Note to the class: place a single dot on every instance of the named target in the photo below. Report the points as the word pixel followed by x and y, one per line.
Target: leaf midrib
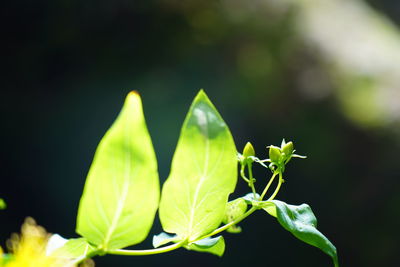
pixel 125 187
pixel 199 185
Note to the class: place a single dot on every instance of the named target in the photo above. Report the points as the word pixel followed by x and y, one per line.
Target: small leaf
pixel 121 193
pixel 234 209
pixel 162 239
pixel 203 174
pixel 301 222
pixel 77 248
pixel 214 245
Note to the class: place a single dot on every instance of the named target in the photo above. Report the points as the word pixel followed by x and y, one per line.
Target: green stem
pixel 226 226
pixel 147 251
pixel 181 243
pixel 251 179
pixel 243 175
pixel 280 182
pixel 268 186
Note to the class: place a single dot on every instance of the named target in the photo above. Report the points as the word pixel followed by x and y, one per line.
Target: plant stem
pixel 277 188
pixel 243 175
pixel 251 179
pixel 144 252
pixel 268 186
pixel 226 226
pixel 181 243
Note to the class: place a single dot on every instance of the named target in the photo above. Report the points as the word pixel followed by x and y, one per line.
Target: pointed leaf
pixel 301 222
pixel 203 174
pixel 214 245
pixel 121 193
pixel 162 239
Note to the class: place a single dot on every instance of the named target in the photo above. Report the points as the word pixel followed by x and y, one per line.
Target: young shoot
pixel 122 191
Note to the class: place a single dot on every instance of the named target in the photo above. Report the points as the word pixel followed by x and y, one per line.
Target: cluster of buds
pixel 280 156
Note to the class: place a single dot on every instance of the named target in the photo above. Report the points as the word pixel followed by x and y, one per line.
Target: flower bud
pixel 288 149
pixel 274 153
pixel 248 150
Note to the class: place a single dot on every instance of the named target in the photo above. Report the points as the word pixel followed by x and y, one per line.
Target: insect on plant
pixel 122 191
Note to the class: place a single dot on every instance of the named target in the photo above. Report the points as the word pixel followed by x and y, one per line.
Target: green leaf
pixel 234 209
pixel 77 248
pixel 214 245
pixel 269 207
pixel 301 222
pixel 203 174
pixel 121 194
pixel 162 239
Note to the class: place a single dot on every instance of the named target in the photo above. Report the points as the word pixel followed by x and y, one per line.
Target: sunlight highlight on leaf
pixel 122 190
pixel 203 174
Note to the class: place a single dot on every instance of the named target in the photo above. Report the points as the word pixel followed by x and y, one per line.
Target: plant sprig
pixel 122 194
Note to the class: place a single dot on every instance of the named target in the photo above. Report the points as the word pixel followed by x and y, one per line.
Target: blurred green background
pixel 325 74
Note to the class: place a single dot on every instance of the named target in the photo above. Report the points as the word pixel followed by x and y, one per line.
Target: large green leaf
pixel 203 174
pixel 301 222
pixel 121 194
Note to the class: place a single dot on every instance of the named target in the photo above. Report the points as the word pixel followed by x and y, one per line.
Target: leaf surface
pixel 121 193
pixel 203 174
pixel 301 222
pixel 75 248
pixel 270 208
pixel 162 239
pixel 214 245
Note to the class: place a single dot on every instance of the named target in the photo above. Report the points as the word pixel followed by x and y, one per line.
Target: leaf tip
pixel 133 96
pixel 201 95
pixel 133 93
pixel 133 99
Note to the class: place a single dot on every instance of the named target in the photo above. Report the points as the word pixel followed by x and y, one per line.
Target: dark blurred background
pixel 325 74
